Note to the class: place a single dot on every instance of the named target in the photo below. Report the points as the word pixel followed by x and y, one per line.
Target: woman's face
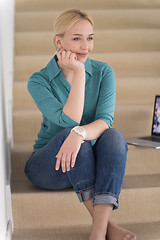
pixel 79 39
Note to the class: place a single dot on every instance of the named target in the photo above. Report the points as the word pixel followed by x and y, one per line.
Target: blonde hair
pixel 67 18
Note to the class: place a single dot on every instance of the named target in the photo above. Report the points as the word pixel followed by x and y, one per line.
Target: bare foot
pixel 115 232
pixel 94 236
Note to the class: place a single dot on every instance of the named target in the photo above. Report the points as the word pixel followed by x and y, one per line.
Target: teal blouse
pixel 50 91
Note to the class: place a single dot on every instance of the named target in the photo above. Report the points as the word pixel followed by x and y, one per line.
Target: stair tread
pixel 28 202
pixel 147 231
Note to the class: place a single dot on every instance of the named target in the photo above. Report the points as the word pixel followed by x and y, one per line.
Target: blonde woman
pixel 76 145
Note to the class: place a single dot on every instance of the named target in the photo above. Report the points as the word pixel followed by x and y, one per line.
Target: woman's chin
pixel 82 59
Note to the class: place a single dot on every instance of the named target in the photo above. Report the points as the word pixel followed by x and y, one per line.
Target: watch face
pixel 81 130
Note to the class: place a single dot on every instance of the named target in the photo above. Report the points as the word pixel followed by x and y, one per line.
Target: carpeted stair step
pixel 36 43
pixel 140 161
pixel 143 231
pixel 48 208
pixel 133 64
pixel 103 19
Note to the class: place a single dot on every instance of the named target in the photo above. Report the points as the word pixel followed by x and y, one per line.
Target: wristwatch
pixel 79 130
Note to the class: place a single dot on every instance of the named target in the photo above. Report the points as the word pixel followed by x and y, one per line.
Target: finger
pixel 73 56
pixel 63 163
pixel 68 162
pixel 63 54
pixel 58 163
pixel 73 160
pixel 68 54
pixel 59 54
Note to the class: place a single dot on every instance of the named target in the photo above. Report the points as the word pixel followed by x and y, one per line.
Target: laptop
pixel 152 141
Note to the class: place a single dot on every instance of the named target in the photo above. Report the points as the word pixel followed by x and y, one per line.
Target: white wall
pixel 7 36
pixel 3 214
pixel 6 79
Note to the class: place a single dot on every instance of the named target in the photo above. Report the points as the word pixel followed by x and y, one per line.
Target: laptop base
pixel 143 143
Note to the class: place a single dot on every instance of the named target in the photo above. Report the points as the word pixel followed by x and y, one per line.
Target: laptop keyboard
pixel 152 138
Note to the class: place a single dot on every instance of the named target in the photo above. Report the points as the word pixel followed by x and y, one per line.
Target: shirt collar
pixel 88 66
pixel 54 70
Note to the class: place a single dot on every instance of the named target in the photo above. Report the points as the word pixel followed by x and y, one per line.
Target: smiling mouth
pixel 82 54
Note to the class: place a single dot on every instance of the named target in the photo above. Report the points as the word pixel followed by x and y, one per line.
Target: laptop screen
pixel 156 117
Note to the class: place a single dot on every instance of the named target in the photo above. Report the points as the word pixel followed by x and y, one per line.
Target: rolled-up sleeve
pixel 47 103
pixel 106 99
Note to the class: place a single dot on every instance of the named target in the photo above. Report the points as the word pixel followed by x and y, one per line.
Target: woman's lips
pixel 82 54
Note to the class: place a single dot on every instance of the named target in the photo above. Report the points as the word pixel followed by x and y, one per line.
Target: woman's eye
pixel 90 38
pixel 76 39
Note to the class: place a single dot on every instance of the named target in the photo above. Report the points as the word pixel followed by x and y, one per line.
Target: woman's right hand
pixel 68 59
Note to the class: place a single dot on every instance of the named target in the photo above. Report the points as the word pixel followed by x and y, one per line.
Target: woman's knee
pixel 111 151
pixel 114 140
pixel 112 145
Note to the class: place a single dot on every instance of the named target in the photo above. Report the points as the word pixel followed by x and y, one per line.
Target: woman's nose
pixel 84 45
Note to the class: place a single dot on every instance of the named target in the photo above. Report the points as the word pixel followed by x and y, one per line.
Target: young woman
pixel 76 146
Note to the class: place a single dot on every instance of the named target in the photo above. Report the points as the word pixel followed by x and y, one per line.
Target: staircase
pixel 127 36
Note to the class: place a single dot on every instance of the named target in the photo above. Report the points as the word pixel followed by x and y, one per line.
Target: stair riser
pixel 81 232
pixel 108 41
pixel 128 91
pixel 26 124
pixel 148 162
pixel 38 5
pixel 48 210
pixel 124 64
pixel 103 19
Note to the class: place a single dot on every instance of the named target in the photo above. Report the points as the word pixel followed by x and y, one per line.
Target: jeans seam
pixel 84 190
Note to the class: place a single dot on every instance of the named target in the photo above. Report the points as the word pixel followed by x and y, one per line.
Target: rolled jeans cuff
pixel 106 199
pixel 86 194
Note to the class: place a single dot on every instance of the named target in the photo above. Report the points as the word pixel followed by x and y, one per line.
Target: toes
pixel 127 237
pixel 130 237
pixel 133 237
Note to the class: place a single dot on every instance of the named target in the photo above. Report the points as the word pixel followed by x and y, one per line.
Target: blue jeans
pixel 98 172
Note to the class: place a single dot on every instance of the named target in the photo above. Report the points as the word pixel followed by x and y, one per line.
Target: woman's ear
pixel 57 42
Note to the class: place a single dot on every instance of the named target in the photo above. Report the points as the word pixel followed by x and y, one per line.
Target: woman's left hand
pixel 68 152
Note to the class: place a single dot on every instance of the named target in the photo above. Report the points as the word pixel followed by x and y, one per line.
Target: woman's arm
pixel 95 129
pixel 75 102
pixel 68 152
